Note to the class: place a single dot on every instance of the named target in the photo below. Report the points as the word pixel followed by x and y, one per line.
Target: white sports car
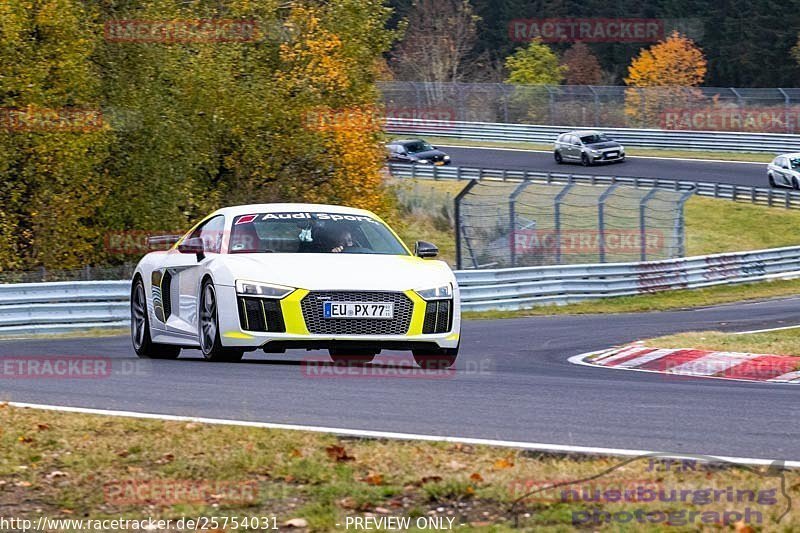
pixel 286 276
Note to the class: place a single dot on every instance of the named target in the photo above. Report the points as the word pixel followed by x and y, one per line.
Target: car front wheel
pixel 557 157
pixel 585 161
pixel 210 343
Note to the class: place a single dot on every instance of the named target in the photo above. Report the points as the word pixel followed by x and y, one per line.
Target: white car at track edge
pixel 287 276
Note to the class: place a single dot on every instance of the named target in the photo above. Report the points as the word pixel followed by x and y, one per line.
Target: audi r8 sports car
pixel 285 276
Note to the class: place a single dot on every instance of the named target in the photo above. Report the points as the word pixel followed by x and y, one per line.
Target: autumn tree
pixel 437 45
pixel 53 136
pixel 531 69
pixel 661 77
pixel 582 66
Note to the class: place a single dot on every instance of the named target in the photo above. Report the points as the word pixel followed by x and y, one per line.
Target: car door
pixel 783 172
pixel 574 147
pixel 184 272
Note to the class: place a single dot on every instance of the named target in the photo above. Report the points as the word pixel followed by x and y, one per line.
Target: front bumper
pixel 293 332
pixel 604 157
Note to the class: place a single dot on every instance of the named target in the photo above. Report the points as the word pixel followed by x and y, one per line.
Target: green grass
pixel 756 157
pixel 781 342
pixel 65 465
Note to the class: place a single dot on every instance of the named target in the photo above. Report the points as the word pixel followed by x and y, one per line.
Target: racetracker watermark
pixel 588 30
pixel 532 241
pixel 399 117
pixel 37 119
pixel 180 31
pixel 70 367
pixel 753 119
pixel 179 491
pixel 389 366
pixel 692 490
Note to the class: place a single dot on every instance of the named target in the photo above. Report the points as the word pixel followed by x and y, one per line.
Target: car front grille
pixel 312 305
pixel 260 314
pixel 438 317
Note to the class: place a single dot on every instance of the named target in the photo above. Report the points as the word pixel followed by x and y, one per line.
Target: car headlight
pixel 436 293
pixel 595 152
pixel 422 161
pixel 622 149
pixel 263 290
pixel 447 158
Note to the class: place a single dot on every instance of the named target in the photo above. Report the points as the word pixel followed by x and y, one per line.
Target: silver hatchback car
pixel 784 171
pixel 587 147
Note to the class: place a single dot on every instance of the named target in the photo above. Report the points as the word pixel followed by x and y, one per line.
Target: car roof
pixel 289 208
pixel 793 154
pixel 405 141
pixel 584 132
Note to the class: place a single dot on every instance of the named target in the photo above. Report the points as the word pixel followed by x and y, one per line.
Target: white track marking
pixel 787 377
pixel 626 157
pixel 558 448
pixel 764 330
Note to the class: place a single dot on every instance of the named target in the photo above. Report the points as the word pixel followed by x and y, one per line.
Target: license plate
pixel 612 154
pixel 381 310
pixel 439 163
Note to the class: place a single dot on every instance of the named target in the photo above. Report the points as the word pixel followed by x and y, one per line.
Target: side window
pixel 573 139
pixel 211 231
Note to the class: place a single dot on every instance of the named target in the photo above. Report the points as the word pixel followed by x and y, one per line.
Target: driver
pixel 345 240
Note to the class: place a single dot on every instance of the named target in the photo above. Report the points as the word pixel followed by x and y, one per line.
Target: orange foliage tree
pixel 661 76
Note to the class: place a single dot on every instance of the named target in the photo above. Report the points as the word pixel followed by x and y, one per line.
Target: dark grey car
pixel 587 147
pixel 416 151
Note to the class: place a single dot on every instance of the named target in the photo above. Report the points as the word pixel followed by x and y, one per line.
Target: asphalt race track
pixel 750 174
pixel 512 382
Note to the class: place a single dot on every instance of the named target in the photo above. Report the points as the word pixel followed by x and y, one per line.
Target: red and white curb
pixel 696 363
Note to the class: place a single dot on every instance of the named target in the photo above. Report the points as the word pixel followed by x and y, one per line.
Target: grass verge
pixel 662 301
pixel 781 342
pixel 78 466
pixel 756 157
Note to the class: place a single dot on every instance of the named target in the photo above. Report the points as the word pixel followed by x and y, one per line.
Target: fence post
pixel 643 221
pixel 457 215
pixel 601 207
pixel 680 226
pixel 557 215
pixel 512 220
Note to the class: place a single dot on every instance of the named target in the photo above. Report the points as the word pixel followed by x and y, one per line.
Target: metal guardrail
pixel 645 138
pixel 518 288
pixel 741 193
pixel 71 306
pixel 61 307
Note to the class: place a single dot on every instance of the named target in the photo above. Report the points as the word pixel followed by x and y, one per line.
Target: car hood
pixel 427 154
pixel 333 271
pixel 603 145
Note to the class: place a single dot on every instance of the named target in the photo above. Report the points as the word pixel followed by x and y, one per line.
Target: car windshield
pixel 312 232
pixel 418 146
pixel 795 162
pixel 594 138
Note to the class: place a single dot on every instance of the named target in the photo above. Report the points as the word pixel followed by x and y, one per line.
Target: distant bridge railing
pixel 720 141
pixel 31 308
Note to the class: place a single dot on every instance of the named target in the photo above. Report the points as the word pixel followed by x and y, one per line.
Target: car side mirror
pixel 425 249
pixel 193 245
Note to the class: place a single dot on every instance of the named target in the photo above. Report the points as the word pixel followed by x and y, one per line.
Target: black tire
pixel 771 179
pixel 585 161
pixel 557 157
pixel 208 328
pixel 795 184
pixel 143 345
pixel 440 359
pixel 350 357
